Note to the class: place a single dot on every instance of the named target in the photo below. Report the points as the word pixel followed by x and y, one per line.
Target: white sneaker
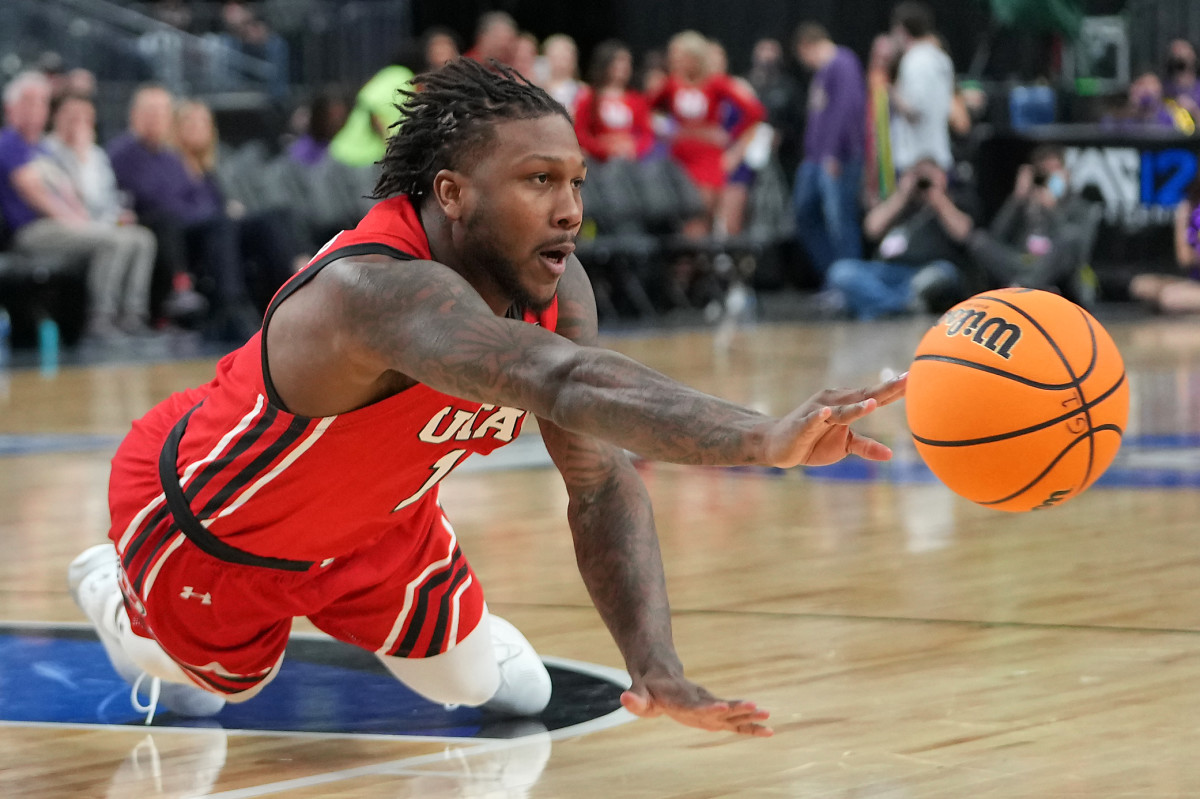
pixel 92 578
pixel 524 682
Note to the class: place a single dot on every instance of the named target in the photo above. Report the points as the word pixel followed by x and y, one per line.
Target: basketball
pixel 1017 399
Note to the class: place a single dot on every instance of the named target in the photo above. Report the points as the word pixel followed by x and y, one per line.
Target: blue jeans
pixel 827 212
pixel 874 289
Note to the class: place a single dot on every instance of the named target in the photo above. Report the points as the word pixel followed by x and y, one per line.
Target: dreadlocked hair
pixel 447 119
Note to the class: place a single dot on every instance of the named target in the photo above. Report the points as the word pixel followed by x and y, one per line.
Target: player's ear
pixel 448 188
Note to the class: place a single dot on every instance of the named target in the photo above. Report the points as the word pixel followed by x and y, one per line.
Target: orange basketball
pixel 1017 399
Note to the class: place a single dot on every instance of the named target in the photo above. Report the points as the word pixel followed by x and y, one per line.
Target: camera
pixel 1039 179
pixel 924 183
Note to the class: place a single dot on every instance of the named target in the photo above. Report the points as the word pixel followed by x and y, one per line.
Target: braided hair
pixel 447 120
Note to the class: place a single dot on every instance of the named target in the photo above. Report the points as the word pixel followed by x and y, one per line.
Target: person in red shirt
pixel 611 119
pixel 496 36
pixel 692 96
pixel 303 480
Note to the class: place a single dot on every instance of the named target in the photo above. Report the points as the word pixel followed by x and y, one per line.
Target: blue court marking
pixel 60 674
pixel 42 443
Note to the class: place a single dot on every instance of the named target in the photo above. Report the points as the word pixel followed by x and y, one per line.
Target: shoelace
pixel 154 691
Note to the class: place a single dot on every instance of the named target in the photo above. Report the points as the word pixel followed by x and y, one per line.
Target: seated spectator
pixel 611 119
pixel 1178 293
pixel 1039 237
pixel 496 37
pixel 1146 107
pixel 72 146
pixel 362 141
pixel 692 96
pixel 919 264
pixel 47 216
pixel 562 69
pixel 440 46
pixel 326 115
pixel 185 215
pixel 1181 84
pixel 266 247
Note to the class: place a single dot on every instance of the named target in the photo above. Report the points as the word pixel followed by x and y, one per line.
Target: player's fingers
pixel 754 730
pixel 885 392
pixel 868 448
pixel 845 414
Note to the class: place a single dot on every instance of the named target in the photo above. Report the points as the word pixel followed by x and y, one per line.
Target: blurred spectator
pixel 54 67
pixel 47 217
pixel 653 73
pixel 440 45
pixel 923 91
pixel 920 264
pixel 362 141
pixel 692 95
pixel 184 214
pixel 879 170
pixel 779 93
pixel 740 174
pixel 562 69
pixel 495 38
pixel 611 119
pixel 1040 236
pixel 176 13
pixel 1146 107
pixel 1180 84
pixel 252 37
pixel 324 117
pixel 266 247
pixel 829 182
pixel 80 82
pixel 525 58
pixel 72 146
pixel 1178 293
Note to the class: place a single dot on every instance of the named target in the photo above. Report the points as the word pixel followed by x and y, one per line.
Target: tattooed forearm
pixel 430 325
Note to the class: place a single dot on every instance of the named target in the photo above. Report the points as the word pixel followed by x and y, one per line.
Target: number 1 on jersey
pixel 443 467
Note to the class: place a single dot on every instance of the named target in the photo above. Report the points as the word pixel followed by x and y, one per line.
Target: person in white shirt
pixel 923 91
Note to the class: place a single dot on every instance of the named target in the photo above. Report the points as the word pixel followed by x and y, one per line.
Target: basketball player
pixel 302 481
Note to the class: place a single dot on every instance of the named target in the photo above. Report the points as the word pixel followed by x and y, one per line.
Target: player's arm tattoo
pixel 426 322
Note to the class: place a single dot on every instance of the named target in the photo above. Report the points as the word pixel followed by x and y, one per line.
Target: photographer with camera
pixel 1041 236
pixel 919 260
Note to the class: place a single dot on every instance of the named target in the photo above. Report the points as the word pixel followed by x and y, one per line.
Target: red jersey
pixel 597 120
pixel 249 482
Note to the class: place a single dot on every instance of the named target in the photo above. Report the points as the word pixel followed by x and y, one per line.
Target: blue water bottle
pixel 48 345
pixel 5 338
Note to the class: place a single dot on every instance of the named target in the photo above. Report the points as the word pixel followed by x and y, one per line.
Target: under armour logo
pixel 188 593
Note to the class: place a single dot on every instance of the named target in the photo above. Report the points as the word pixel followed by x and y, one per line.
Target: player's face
pixel 522 207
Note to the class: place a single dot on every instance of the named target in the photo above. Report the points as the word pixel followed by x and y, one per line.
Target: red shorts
pixel 410 593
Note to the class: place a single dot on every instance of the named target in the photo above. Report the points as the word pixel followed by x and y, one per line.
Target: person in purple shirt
pixel 829 179
pixel 47 216
pixel 184 213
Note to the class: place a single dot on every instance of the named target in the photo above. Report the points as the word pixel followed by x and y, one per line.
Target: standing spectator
pixel 525 58
pixel 1180 292
pixel 611 119
pixel 829 182
pixel 879 171
pixel 780 96
pixel 1181 84
pixel 362 141
pixel 495 38
pixel 920 264
pixel 440 46
pixel 46 215
pixel 562 69
pixel 183 214
pixel 923 91
pixel 692 96
pixel 1039 239
pixel 72 146
pixel 266 248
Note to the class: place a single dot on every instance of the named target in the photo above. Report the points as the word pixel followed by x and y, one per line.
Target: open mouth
pixel 556 257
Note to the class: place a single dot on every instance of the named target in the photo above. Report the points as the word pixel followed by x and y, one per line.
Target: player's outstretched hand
pixel 690 704
pixel 818 432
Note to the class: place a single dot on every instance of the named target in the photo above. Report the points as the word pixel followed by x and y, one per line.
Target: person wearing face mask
pixel 1180 83
pixel 1040 236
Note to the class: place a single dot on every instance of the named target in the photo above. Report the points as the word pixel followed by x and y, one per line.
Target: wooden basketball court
pixel 908 644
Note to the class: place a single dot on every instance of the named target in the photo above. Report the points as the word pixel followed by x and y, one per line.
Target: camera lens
pixel 1039 179
pixel 923 183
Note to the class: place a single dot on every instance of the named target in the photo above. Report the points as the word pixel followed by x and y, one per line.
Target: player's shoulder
pixel 576 305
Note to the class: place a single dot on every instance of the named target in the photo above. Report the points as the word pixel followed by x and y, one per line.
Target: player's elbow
pixel 575 386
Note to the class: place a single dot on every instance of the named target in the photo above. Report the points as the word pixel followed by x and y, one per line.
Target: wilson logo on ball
pixel 985 331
